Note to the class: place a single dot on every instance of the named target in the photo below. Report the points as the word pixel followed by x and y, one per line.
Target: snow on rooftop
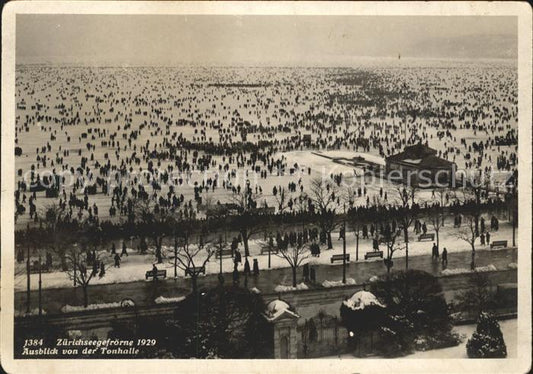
pixel 362 299
pixel 276 308
pixel 411 161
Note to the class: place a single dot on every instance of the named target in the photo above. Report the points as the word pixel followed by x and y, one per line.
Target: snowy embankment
pixel 166 300
pixel 283 288
pixel 79 308
pixel 329 284
pixel 33 312
pixel 479 269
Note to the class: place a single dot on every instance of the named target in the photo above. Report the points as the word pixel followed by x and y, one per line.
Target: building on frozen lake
pixel 418 165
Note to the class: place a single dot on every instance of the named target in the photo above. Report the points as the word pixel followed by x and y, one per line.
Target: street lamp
pixel 344 247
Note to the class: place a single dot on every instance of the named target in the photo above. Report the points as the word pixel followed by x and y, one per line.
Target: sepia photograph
pixel 251 184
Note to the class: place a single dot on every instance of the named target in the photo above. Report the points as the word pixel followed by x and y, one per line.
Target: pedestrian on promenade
pixel 235 275
pixel 312 274
pixel 154 271
pixel 117 260
pixel 434 251
pixel 237 259
pixel 256 267
pixel 444 257
pixel 124 252
pixel 95 267
pixel 247 267
pixel 306 272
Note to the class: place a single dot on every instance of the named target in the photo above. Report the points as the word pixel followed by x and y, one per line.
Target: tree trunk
pixel 85 296
pixel 40 289
pixel 245 242
pixel 406 239
pixel 194 284
pixel 175 260
pixel 330 244
pixel 294 276
pixel 28 291
pixel 357 247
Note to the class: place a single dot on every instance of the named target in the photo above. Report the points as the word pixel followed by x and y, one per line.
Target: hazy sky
pixel 256 40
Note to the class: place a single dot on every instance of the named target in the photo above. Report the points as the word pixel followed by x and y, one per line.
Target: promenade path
pixel 145 292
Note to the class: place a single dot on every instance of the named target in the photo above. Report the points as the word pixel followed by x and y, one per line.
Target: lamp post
pixel 40 287
pixel 28 270
pixel 344 247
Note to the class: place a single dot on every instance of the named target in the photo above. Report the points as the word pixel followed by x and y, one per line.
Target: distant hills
pixel 471 46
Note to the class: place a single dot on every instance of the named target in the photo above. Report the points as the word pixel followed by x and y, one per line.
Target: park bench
pixel 272 250
pixel 340 258
pixel 160 274
pixel 373 254
pixel 426 237
pixel 196 270
pixel 498 243
pixel 34 268
pixel 225 253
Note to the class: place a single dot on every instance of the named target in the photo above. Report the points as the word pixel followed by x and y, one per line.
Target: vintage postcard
pixel 274 187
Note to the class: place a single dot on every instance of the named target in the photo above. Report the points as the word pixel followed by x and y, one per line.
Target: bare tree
pixel 474 188
pixel 220 246
pixel 53 220
pixel 182 228
pixel 407 216
pixel 437 217
pixel 294 254
pixel 477 297
pixel 389 239
pixel 469 234
pixel 154 223
pixel 192 260
pixel 247 218
pixel 79 269
pixel 511 200
pixel 355 222
pixel 323 194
